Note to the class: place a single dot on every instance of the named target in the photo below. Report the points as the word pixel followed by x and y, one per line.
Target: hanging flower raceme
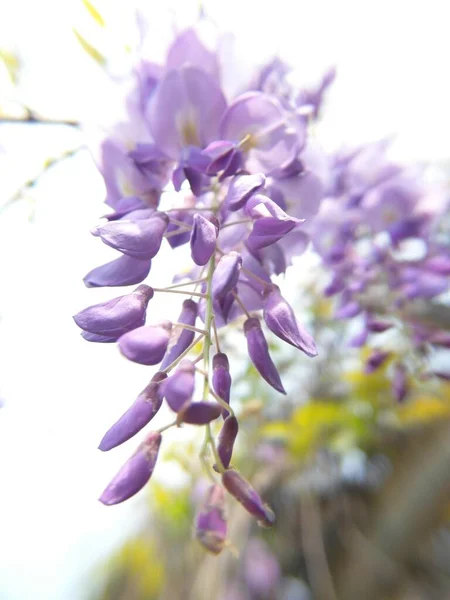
pixel 252 190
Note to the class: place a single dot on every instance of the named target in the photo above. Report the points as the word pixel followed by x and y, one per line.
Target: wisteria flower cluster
pixel 240 167
pixel 253 190
pixel 383 235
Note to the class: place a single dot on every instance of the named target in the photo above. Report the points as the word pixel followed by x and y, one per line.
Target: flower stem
pixel 177 285
pixel 216 335
pixel 161 429
pixel 241 304
pixel 183 354
pixel 222 403
pixel 239 222
pixel 186 293
pixel 189 327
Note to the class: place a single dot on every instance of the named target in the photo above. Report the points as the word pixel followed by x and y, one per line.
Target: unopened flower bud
pixel 124 270
pixel 140 238
pixel 227 437
pixel 199 413
pixel 375 361
pixel 258 351
pixel 135 472
pixel 281 321
pixel 179 387
pixel 221 378
pixel 115 317
pixel 140 413
pixel 146 345
pixel 185 337
pixel 226 274
pixel 399 382
pixel 211 525
pixel 240 489
pixel 203 239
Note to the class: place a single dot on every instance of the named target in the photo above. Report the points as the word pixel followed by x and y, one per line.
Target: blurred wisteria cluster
pixel 230 173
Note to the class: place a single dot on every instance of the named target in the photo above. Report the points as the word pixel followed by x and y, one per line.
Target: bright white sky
pixel 62 393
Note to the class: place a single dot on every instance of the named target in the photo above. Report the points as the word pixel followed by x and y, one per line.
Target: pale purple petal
pixel 121 271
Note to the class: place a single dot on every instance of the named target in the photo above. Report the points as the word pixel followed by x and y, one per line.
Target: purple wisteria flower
pixel 280 319
pixel 238 189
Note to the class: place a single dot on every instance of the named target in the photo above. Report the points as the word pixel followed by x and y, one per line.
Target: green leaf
pixel 90 49
pixel 94 13
pixel 12 64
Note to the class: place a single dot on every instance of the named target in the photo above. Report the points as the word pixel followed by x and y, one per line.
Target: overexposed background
pixel 61 393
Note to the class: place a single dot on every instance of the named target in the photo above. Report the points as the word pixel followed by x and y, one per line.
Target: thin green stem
pixel 177 285
pixel 183 354
pixel 239 222
pixel 186 293
pixel 222 402
pixel 161 429
pixel 176 232
pixel 256 277
pixel 241 304
pixel 216 335
pixel 211 442
pixel 180 223
pixel 189 327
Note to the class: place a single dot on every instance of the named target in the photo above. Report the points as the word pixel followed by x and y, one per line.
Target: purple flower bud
pixel 135 472
pixel 114 318
pixel 227 437
pixel 211 525
pixel 241 188
pixel 203 239
pixel 240 489
pixel 199 413
pixel 439 264
pixel 146 345
pixel 258 351
pixel 399 382
pixel 335 286
pixel 140 239
pixel 121 271
pixel 179 387
pixel 377 326
pixel 140 413
pixel 375 361
pixel 347 308
pixel 221 378
pixel 440 338
pixel 184 337
pixel 281 321
pixel 226 275
pixel 360 338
